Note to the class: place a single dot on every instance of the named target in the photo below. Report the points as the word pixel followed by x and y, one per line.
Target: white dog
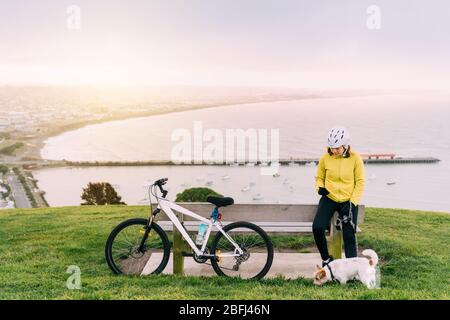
pixel 342 270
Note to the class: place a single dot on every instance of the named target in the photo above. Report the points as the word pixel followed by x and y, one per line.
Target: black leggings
pixel 322 220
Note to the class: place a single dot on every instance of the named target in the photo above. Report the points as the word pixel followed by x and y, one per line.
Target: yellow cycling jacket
pixel 342 177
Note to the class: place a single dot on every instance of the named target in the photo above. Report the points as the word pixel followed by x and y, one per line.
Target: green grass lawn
pixel 37 246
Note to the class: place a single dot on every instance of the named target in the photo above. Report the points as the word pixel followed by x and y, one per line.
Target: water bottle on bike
pixel 200 234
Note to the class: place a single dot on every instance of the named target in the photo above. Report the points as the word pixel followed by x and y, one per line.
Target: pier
pixel 282 162
pixel 403 160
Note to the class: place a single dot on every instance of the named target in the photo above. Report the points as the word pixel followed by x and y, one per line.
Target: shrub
pixel 195 195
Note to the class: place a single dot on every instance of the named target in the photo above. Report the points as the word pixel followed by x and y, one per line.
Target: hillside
pixel 37 246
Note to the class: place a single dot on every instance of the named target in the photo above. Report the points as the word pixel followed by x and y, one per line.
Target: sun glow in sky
pixel 290 43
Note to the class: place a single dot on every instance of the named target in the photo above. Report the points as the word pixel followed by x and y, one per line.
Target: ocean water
pixel 407 125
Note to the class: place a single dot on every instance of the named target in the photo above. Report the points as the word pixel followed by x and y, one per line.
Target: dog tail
pixel 372 255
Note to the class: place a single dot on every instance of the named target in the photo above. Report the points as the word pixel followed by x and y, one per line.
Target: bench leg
pixel 178 245
pixel 335 239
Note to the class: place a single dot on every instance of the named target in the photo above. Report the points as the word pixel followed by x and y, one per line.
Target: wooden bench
pixel 275 219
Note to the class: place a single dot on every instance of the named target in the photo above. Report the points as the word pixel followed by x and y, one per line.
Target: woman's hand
pixel 323 191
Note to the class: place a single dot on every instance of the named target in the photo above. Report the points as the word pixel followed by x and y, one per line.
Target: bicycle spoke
pixel 255 259
pixel 127 257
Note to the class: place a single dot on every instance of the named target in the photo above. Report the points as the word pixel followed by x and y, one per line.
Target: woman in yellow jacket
pixel 340 181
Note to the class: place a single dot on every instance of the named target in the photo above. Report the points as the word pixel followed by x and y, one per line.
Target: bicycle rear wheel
pixel 257 258
pixel 122 248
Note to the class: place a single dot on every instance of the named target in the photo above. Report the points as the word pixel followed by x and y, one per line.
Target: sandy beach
pixel 33 146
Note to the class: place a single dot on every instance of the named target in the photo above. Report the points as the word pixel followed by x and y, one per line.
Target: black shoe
pixel 325 262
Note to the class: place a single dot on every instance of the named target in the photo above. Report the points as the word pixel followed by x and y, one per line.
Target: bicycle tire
pixel 266 242
pixel 165 243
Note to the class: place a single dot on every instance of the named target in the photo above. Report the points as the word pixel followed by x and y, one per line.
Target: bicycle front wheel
pixel 125 253
pixel 257 256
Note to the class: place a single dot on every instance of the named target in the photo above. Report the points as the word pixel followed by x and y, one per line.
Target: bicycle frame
pixel 167 206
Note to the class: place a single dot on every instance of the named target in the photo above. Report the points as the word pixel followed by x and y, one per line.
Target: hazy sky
pixel 310 44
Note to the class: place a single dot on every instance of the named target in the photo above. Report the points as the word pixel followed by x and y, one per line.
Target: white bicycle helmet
pixel 338 136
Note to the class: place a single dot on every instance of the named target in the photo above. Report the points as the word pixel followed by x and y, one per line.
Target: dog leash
pixel 346 219
pixel 331 274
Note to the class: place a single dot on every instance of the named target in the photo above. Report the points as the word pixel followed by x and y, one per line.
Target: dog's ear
pixel 320 274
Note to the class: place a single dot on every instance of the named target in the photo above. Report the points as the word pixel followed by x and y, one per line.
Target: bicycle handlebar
pixel 160 183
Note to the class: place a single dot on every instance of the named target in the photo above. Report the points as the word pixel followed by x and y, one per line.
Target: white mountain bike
pixel 140 246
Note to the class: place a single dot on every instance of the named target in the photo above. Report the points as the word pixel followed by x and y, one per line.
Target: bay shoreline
pixel 33 146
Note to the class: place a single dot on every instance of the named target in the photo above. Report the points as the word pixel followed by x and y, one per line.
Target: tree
pixel 3 169
pixel 100 193
pixel 195 195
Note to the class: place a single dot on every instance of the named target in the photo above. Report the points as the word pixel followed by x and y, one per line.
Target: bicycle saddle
pixel 220 201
